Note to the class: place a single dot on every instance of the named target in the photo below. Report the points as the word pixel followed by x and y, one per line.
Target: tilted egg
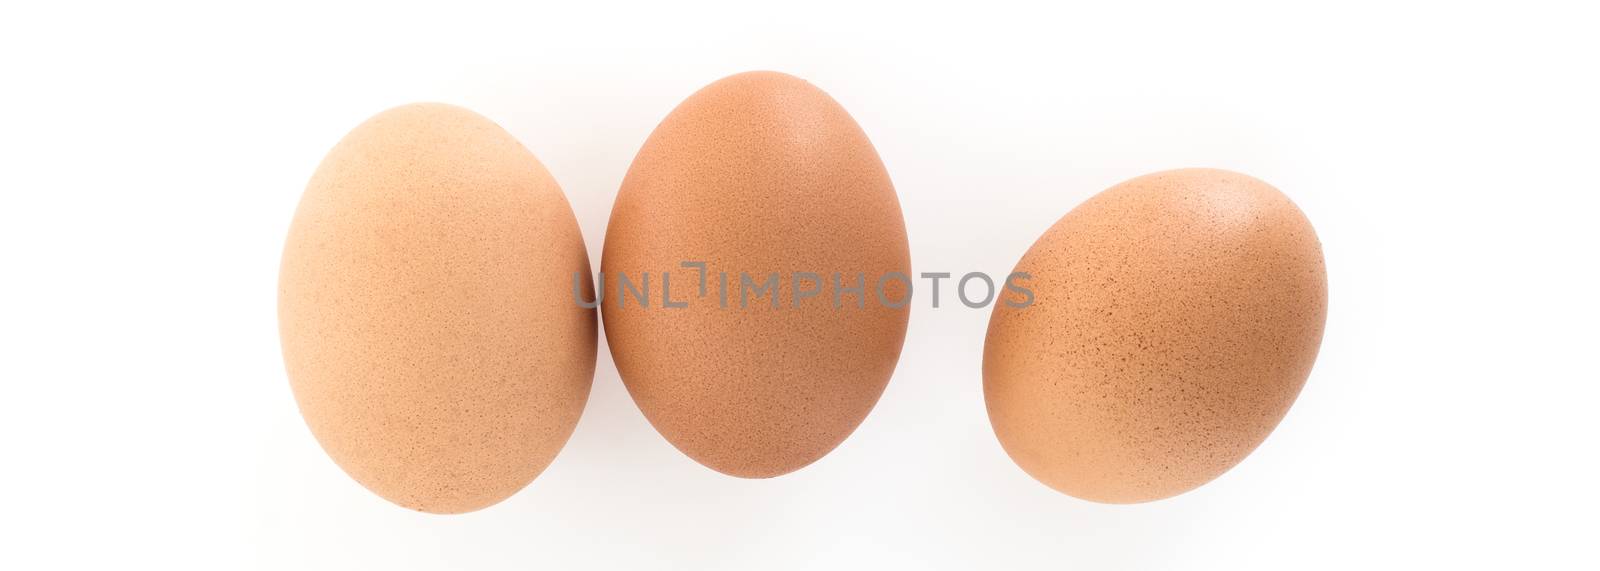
pixel 1176 317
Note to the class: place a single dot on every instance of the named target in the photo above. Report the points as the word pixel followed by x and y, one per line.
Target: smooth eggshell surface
pixel 428 327
pixel 1177 316
pixel 757 173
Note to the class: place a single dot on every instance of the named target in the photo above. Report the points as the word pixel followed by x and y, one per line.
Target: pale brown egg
pixel 1176 317
pixel 756 175
pixel 425 310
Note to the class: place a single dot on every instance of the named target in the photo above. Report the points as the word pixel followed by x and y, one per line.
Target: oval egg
pixel 428 330
pixel 1176 317
pixel 759 174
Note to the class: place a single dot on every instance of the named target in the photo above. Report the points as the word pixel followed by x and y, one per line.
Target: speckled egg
pixel 759 175
pixel 1176 317
pixel 424 308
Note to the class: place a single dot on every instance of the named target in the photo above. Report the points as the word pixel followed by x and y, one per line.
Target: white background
pixel 151 157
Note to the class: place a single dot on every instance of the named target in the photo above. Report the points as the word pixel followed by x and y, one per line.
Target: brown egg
pixel 425 310
pixel 759 175
pixel 1175 318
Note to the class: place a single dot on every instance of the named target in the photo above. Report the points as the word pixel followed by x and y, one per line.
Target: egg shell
pixel 759 172
pixel 1176 317
pixel 425 311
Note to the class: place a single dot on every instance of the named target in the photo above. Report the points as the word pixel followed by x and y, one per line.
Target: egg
pixel 429 334
pixel 759 176
pixel 1175 319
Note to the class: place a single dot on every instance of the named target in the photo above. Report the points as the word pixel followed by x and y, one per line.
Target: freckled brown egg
pixel 425 310
pixel 759 174
pixel 1176 317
